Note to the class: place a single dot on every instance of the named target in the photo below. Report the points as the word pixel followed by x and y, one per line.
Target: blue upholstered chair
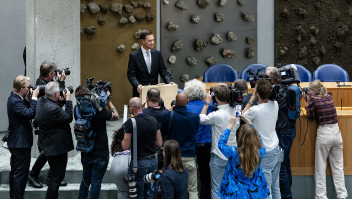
pixel 180 91
pixel 331 73
pixel 254 67
pixel 304 74
pixel 220 73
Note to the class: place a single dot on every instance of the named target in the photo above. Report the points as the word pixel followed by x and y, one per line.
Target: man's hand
pixel 35 92
pixel 172 83
pixel 232 122
pixel 254 96
pixel 245 119
pixel 208 97
pixel 108 93
pixel 68 95
pixel 139 89
pixel 61 77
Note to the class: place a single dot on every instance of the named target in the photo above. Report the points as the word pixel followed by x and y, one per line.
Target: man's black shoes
pixel 34 182
pixel 62 184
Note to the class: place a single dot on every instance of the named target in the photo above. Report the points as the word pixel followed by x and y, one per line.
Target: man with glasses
pixel 47 74
pixel 55 136
pixel 20 110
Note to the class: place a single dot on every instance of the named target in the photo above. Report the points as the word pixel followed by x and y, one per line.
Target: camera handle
pixel 134 145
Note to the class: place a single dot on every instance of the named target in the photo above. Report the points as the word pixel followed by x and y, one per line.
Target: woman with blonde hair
pixel 320 107
pixel 244 177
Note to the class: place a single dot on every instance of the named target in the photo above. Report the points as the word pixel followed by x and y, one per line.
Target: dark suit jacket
pixel 137 72
pixel 20 113
pixel 54 127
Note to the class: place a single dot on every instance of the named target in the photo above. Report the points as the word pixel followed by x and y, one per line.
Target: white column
pixel 266 42
pixel 53 34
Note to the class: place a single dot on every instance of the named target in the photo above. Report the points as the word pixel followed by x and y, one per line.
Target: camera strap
pixel 134 145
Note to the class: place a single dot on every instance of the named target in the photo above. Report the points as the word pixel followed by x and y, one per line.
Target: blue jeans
pixel 286 138
pixel 93 173
pixel 217 170
pixel 144 167
pixel 271 163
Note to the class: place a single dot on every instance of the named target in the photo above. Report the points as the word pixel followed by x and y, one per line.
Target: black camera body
pixel 152 177
pixel 67 71
pixel 289 74
pixel 253 77
pixel 41 87
pixel 236 97
pixel 305 90
pixel 64 91
pixel 130 179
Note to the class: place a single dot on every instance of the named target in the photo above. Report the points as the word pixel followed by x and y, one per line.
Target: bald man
pixel 182 127
pixel 148 136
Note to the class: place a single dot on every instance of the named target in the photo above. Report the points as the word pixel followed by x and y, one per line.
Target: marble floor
pixel 74 163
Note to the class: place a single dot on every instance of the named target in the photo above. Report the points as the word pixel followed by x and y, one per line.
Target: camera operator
pixel 320 107
pixel 148 136
pixel 264 116
pixel 20 140
pixel 95 162
pixel 196 92
pixel 55 137
pixel 154 109
pixel 218 121
pixel 286 131
pixel 47 74
pixel 241 85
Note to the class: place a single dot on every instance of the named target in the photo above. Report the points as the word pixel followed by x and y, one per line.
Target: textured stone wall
pixel 100 57
pixel 52 34
pixel 313 32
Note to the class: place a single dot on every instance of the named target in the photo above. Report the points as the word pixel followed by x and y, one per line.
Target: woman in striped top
pixel 320 107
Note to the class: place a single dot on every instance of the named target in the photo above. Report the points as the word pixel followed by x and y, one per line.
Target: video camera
pixel 67 71
pixel 289 74
pixel 96 92
pixel 235 99
pixel 253 77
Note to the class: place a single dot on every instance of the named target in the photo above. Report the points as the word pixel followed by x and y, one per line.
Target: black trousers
pixel 57 165
pixel 203 157
pixel 38 165
pixel 20 162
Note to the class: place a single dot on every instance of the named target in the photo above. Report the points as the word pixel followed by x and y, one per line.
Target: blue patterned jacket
pixel 234 183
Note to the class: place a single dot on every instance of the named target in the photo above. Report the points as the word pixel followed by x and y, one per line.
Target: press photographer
pixel 21 109
pixel 288 99
pixel 93 140
pixel 55 133
pixel 148 136
pixel 173 177
pixel 218 121
pixel 48 71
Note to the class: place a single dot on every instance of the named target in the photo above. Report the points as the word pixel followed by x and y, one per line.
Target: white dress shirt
pixel 145 57
pixel 264 117
pixel 219 121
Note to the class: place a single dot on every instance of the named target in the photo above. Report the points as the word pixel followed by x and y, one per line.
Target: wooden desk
pixel 331 86
pixel 303 157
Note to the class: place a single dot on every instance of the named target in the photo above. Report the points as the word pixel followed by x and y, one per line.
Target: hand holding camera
pixel 209 97
pixel 61 76
pixel 35 92
pixel 67 94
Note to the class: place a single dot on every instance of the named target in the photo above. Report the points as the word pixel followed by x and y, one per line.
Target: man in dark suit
pixel 20 140
pixel 145 64
pixel 55 137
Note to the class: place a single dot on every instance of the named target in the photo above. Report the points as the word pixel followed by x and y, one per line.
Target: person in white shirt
pixel 264 117
pixel 218 121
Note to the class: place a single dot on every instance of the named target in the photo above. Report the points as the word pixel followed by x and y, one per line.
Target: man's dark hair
pixel 81 90
pixel 222 92
pixel 153 95
pixel 241 85
pixel 47 68
pixel 145 33
pixel 264 88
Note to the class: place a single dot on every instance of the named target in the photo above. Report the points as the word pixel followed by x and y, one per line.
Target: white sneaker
pixel 5 145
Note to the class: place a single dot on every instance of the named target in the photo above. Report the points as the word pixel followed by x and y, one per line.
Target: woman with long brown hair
pixel 320 107
pixel 119 164
pixel 175 177
pixel 244 177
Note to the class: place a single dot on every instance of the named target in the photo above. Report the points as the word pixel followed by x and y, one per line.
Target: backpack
pixel 85 136
pixel 294 102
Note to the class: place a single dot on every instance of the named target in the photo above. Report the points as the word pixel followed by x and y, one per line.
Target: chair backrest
pixel 254 67
pixel 331 73
pixel 180 90
pixel 304 74
pixel 220 73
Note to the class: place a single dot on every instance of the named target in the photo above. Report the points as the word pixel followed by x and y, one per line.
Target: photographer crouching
pixel 320 107
pixel 55 137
